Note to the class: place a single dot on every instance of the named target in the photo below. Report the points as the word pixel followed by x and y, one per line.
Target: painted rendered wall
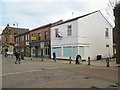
pixel 87 32
pixel 66 40
pixel 93 28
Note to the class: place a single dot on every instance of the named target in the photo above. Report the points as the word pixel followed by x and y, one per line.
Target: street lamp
pixel 108 57
pixel 30 50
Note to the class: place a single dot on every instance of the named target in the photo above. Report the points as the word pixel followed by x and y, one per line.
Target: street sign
pixel 42 44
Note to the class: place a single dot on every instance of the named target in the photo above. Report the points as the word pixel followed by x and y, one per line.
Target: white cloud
pixel 34 13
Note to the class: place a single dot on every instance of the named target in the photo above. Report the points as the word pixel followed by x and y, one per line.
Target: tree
pixel 117 28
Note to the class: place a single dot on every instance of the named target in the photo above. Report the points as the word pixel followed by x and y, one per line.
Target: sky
pixel 35 13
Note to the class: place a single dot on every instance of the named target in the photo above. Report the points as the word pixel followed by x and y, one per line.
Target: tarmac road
pixel 49 74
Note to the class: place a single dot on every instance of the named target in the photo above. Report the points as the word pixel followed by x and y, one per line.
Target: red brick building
pixel 22 43
pixel 8 37
pixel 36 42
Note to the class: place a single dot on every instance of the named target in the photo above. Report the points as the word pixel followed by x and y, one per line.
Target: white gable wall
pixel 88 37
pixel 92 29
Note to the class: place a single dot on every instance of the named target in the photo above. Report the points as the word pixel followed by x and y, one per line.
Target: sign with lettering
pixel 33 38
pixel 42 44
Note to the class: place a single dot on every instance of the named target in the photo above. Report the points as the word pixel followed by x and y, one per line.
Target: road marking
pixel 20 72
pixel 30 71
pixel 92 67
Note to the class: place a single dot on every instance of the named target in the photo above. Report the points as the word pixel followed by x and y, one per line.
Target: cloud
pixel 34 13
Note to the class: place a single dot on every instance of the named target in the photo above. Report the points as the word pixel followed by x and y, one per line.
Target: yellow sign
pixel 33 38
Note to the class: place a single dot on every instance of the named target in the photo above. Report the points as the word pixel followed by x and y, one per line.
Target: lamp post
pixel 108 58
pixel 30 50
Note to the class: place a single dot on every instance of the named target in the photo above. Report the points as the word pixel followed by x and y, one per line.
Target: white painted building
pixel 88 35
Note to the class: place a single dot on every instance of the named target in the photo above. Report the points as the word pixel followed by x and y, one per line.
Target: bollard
pixel 41 58
pixel 88 60
pixel 107 62
pixel 70 60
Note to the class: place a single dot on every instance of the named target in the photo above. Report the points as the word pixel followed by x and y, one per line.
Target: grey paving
pixel 49 74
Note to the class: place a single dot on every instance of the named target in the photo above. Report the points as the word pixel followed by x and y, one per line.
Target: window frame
pixel 69 30
pixel 107 32
pixel 46 35
pixel 39 36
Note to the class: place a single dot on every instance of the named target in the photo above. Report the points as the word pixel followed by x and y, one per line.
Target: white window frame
pixel 69 30
pixel 107 32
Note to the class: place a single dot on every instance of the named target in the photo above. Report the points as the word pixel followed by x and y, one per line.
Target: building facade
pixel 89 35
pixel 8 40
pixel 40 41
pixel 22 43
pixel 36 42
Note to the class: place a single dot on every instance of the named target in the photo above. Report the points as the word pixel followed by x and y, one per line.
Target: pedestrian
pixel 78 58
pixel 17 54
pixel 70 60
pixel 42 56
pixel 54 56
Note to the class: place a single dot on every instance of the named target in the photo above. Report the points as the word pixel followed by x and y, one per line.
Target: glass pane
pixel 81 51
pixel 57 51
pixel 67 52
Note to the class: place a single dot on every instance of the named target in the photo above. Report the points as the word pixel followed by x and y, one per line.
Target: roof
pixel 19 30
pixel 41 27
pixel 23 34
pixel 48 25
pixel 77 17
pixel 16 30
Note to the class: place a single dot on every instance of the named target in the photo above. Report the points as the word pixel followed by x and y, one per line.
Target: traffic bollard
pixel 70 60
pixel 88 60
pixel 107 62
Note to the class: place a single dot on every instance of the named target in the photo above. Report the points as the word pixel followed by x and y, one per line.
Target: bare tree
pixel 117 28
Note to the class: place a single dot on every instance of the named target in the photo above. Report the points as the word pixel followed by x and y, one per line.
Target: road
pixel 49 74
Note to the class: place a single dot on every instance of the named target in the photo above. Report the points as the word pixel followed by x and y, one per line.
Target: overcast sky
pixel 34 13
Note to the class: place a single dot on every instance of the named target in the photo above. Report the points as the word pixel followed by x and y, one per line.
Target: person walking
pixel 17 54
pixel 42 56
pixel 78 58
pixel 54 56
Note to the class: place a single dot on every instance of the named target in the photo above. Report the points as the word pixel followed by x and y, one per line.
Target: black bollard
pixel 88 60
pixel 70 60
pixel 41 58
pixel 107 62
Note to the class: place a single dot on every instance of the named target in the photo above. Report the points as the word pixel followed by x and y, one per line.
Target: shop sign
pixel 42 44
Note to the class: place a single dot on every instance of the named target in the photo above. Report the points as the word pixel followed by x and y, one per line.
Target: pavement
pixel 95 63
pixel 49 74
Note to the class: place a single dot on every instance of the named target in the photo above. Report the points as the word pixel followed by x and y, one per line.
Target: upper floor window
pixel 39 36
pixel 17 39
pixel 46 34
pixel 56 32
pixel 22 38
pixel 107 32
pixel 26 38
pixel 33 35
pixel 6 39
pixel 69 30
